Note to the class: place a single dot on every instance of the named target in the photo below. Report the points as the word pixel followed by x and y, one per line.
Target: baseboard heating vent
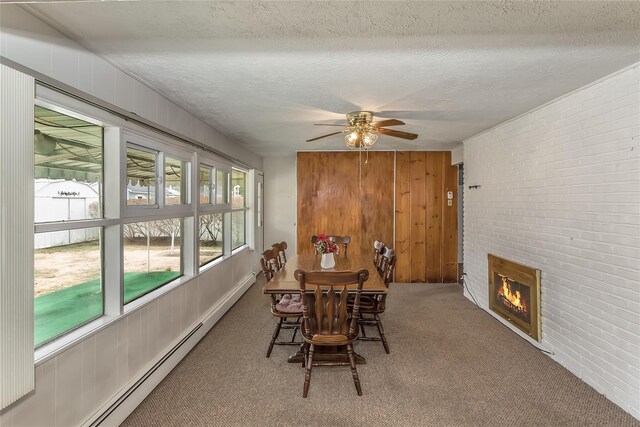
pixel 141 381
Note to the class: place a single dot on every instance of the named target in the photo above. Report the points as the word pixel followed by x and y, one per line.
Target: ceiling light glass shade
pixel 369 138
pixel 351 139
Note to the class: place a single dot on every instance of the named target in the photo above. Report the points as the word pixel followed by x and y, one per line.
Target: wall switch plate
pixel 450 202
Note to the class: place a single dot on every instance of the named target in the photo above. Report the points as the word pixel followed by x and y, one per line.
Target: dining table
pixel 284 282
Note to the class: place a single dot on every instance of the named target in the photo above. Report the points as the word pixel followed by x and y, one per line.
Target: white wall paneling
pixel 16 222
pixel 107 360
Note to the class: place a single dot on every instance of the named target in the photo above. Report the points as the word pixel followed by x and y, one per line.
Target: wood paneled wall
pixel 426 227
pixel 334 198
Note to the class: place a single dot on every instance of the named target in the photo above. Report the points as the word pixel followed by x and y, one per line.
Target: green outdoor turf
pixel 59 311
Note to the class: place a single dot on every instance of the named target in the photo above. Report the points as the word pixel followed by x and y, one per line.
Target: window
pixel 141 176
pixel 176 173
pixel 139 227
pixel 68 290
pixel 211 237
pixel 153 244
pixel 238 204
pixel 204 183
pixel 152 255
pixel 222 187
pixel 213 212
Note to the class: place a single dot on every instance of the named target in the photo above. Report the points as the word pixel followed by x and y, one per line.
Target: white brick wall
pixel 560 191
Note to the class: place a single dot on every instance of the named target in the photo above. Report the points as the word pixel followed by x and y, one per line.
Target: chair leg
pixel 362 331
pixel 305 352
pixel 275 336
pixel 307 372
pixel 354 372
pixel 381 331
pixel 293 338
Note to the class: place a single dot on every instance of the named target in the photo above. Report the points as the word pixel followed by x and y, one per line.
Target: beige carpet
pixel 451 364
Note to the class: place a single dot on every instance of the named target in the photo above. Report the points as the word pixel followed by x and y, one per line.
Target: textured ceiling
pixel 264 72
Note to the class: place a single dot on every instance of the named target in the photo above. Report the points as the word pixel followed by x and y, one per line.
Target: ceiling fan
pixel 362 131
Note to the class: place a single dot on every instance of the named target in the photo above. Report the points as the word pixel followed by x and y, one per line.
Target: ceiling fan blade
pixel 327 124
pixel 397 134
pixel 390 122
pixel 324 136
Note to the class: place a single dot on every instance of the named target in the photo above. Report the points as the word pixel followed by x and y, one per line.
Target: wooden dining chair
pixel 378 247
pixel 268 264
pixel 325 319
pixel 342 240
pixel 282 256
pixel 372 307
pixel 286 308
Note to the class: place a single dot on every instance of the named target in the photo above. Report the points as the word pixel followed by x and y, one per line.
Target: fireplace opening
pixel 514 297
pixel 514 293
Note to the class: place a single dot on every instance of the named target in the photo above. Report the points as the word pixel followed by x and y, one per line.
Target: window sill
pixel 59 345
pixel 212 264
pixel 239 249
pixel 155 294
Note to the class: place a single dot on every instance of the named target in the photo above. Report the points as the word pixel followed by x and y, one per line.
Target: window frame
pixel 213 207
pixel 244 209
pixel 162 149
pixel 118 132
pixel 77 224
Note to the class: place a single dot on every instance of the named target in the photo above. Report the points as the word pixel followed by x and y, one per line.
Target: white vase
pixel 327 261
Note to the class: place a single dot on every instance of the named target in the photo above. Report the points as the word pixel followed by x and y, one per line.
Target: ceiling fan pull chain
pixel 360 169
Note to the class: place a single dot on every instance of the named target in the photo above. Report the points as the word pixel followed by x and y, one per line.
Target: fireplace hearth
pixel 514 293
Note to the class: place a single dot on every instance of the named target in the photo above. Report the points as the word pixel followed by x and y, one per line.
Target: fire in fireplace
pixel 514 297
pixel 514 293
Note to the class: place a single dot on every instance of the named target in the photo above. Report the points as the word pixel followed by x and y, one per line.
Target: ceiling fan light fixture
pixel 351 139
pixel 368 139
pixel 362 131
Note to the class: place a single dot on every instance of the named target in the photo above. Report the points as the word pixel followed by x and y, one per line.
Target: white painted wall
pixel 457 155
pixel 77 383
pixel 560 191
pixel 280 202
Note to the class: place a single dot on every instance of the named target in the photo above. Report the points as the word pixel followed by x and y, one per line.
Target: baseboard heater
pixel 141 381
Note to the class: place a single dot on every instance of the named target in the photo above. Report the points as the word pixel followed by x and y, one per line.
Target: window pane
pixel 152 255
pixel 238 186
pixel 237 229
pixel 211 232
pixel 205 185
pixel 141 177
pixel 176 173
pixel 67 281
pixel 222 187
pixel 68 167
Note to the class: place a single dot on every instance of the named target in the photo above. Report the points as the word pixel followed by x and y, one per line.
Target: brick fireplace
pixel 514 293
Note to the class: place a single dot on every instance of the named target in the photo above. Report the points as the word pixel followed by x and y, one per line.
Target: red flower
pixel 325 246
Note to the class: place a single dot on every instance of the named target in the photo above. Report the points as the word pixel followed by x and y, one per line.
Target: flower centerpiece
pixel 324 245
pixel 327 248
